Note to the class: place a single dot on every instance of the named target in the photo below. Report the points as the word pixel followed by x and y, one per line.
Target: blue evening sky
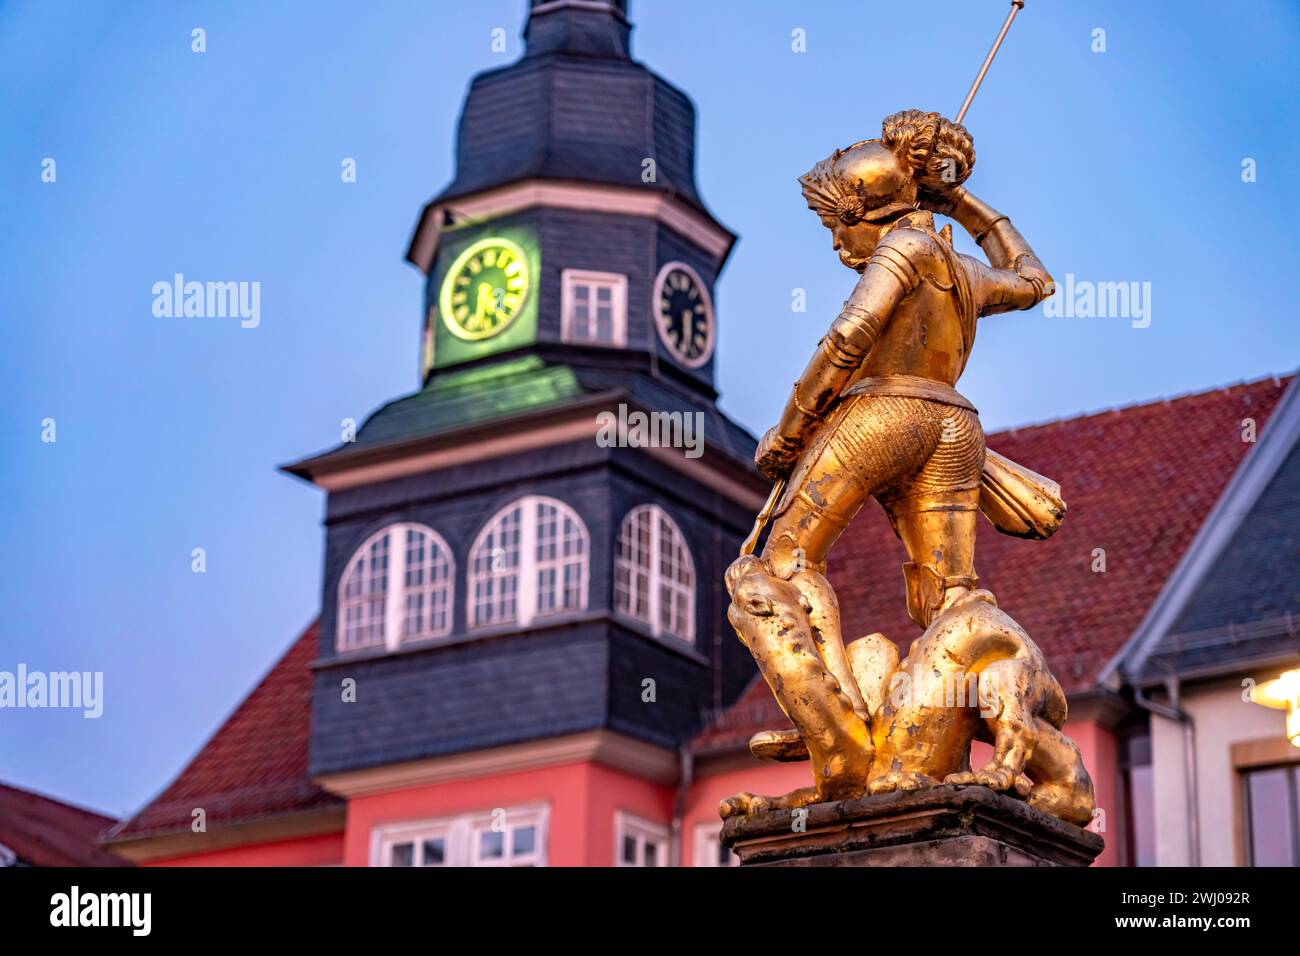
pixel 1123 165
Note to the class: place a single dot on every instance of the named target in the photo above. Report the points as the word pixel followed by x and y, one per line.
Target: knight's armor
pixel 876 412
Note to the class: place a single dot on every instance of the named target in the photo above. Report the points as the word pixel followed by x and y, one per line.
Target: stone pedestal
pixel 942 826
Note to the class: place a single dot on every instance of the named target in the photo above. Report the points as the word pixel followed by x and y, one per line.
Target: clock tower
pixel 502 570
pixel 575 166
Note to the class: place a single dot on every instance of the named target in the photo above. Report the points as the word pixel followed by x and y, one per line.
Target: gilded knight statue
pixel 876 414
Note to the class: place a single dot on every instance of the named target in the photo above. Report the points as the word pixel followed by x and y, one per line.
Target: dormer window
pixel 594 308
pixel 396 588
pixel 530 561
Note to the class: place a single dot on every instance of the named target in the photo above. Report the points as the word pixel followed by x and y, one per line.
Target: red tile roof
pixel 255 765
pixel 1137 482
pixel 47 832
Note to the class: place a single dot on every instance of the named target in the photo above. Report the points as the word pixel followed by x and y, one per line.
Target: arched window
pixel 654 576
pixel 530 560
pixel 397 587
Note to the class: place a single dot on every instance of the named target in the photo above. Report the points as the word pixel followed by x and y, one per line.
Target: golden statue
pixel 876 415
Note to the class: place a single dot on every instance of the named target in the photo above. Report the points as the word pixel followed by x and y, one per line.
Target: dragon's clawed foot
pixel 743 804
pixel 900 780
pixel 995 779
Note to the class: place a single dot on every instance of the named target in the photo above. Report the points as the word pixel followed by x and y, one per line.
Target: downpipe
pixel 1172 711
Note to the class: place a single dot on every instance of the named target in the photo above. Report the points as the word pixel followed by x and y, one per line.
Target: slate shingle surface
pixel 1248 605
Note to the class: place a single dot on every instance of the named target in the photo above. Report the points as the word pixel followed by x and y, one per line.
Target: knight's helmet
pixel 865 182
pixel 876 179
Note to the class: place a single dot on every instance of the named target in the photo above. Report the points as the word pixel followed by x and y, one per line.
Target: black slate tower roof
pixel 576 106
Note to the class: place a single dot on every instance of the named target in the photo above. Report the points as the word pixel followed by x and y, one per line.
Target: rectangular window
pixel 506 840
pixel 1273 815
pixel 515 837
pixel 593 306
pixel 423 845
pixel 709 850
pixel 639 842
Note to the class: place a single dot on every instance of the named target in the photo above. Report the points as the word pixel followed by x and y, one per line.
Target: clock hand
pixel 483 305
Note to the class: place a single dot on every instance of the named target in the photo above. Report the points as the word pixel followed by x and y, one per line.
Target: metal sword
pixel 778 488
pixel 1016 7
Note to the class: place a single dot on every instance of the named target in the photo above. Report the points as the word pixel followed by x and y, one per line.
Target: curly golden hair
pixel 940 153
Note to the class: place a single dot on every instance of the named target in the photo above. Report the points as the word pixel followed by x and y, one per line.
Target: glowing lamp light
pixel 1283 693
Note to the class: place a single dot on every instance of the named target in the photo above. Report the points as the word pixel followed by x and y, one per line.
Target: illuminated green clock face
pixel 484 289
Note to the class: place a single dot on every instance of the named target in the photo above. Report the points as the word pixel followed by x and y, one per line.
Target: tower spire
pixel 596 28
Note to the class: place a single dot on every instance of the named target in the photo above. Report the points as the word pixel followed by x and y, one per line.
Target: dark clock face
pixel 484 289
pixel 684 314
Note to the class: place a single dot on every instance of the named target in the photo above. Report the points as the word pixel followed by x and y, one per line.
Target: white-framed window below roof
pixel 512 838
pixel 639 842
pixel 654 574
pixel 593 308
pixel 501 837
pixel 398 586
pixel 531 560
pixel 709 850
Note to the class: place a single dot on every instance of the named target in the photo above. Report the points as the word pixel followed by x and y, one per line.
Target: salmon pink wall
pixel 708 790
pixel 583 798
pixel 321 850
pixel 1101 757
pixel 612 791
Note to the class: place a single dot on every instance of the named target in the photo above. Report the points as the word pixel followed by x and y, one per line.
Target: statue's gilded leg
pixel 1061 784
pixel 923 732
pixel 1006 689
pixel 786 613
pixel 771 616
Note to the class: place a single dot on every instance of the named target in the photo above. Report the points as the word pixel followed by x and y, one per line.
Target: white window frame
pixel 656 582
pixel 516 819
pixel 385 838
pixel 526 591
pixel 569 280
pixel 708 843
pixel 395 592
pixel 460 833
pixel 643 831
